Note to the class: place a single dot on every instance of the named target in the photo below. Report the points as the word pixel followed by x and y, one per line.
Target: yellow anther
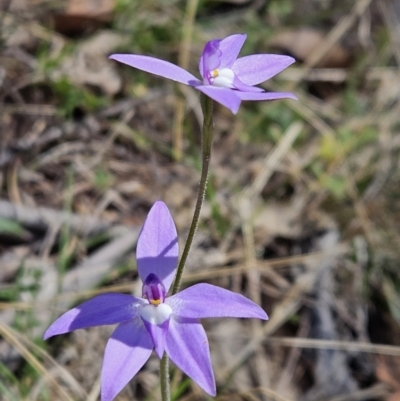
pixel 155 302
pixel 215 73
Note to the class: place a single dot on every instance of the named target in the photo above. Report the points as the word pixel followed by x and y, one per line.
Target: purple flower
pixel 169 324
pixel 225 78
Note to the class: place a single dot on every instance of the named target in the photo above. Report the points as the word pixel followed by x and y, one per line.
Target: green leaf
pixel 10 227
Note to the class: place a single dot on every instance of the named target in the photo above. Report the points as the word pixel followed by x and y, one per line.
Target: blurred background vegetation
pixel 302 213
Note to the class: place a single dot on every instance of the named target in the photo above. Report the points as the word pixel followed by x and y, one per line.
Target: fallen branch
pixel 41 218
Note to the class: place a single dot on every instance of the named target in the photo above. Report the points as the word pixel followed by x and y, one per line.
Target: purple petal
pixel 230 48
pixel 104 309
pixel 265 95
pixel 158 333
pixel 206 300
pixel 127 350
pixel 187 346
pixel 257 68
pixel 227 97
pixel 158 67
pixel 156 319
pixel 157 248
pixel 239 85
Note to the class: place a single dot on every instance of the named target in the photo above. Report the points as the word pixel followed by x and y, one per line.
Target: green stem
pixel 164 378
pixel 207 136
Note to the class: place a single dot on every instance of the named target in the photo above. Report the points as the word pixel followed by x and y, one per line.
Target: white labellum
pixel 224 78
pixel 156 314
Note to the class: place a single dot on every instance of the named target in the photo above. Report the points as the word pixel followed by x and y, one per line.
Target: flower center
pixel 153 290
pixel 156 315
pixel 222 77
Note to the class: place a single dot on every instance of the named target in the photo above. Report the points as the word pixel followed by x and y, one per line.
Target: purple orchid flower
pixel 226 79
pixel 167 324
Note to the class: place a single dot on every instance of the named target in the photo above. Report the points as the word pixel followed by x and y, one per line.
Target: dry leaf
pixel 98 9
pixel 394 397
pixel 388 371
pixel 83 15
pixel 89 64
pixel 302 42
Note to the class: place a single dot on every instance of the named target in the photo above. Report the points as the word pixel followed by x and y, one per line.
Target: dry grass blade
pixel 333 37
pixel 312 118
pixel 336 345
pixel 183 61
pixel 42 218
pixel 288 306
pixel 271 394
pixel 263 265
pixel 91 271
pixel 246 203
pixel 272 160
pixel 95 391
pixel 31 109
pixel 339 75
pixel 391 19
pixel 378 391
pixel 64 373
pixel 283 310
pixel 10 337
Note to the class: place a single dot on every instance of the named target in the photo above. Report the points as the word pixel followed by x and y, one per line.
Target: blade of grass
pixel 10 336
pixel 183 61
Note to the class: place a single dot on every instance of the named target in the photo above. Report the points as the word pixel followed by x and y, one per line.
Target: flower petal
pixel 227 97
pixel 265 95
pixel 206 300
pixel 157 67
pixel 187 346
pixel 104 309
pixel 230 48
pixel 157 248
pixel 239 85
pixel 257 68
pixel 127 350
pixel 156 319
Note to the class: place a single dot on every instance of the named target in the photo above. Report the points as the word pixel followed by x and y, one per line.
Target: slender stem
pixel 207 136
pixel 164 378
